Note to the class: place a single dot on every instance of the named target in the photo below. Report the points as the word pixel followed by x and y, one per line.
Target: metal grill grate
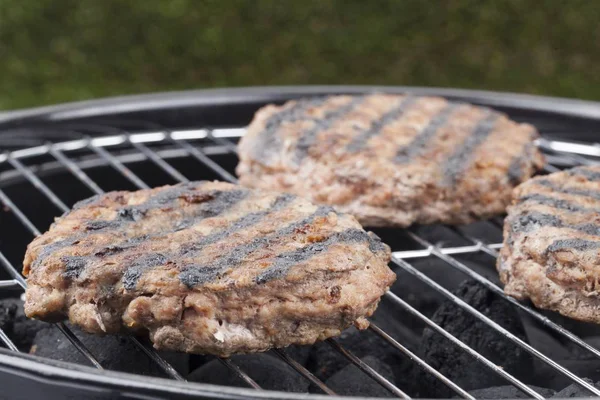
pixel 120 150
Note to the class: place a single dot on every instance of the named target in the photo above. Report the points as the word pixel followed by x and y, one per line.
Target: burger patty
pixel 207 267
pixel 390 160
pixel 551 251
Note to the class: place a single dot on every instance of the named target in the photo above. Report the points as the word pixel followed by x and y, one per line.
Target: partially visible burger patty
pixel 207 267
pixel 390 160
pixel 551 251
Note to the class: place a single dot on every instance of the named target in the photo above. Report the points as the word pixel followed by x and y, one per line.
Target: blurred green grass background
pixel 54 51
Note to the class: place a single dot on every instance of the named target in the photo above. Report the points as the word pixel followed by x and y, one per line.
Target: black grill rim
pixel 33 375
pixel 265 94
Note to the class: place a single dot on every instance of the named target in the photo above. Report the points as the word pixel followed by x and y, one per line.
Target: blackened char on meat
pixel 390 160
pixel 551 246
pixel 207 267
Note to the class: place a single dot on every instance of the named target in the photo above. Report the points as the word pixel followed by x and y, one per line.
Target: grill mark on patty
pixel 591 176
pixel 285 261
pixel 309 138
pixel 531 221
pixel 416 147
pixel 139 266
pixel 217 203
pixel 244 222
pixel 360 140
pixel 572 244
pixel 594 194
pixel 212 203
pixel 48 249
pixel 130 214
pixel 118 248
pixel 515 169
pixel 97 225
pixel 193 274
pixel 155 200
pixel 553 202
pixel 459 161
pixel 220 202
pixel 267 138
pixel 74 265
pixel 111 249
pixel 534 220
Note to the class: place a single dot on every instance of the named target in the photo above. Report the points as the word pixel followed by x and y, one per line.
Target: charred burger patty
pixel 551 251
pixel 390 160
pixel 207 267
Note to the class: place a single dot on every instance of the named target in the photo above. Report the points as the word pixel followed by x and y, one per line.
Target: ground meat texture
pixel 551 246
pixel 390 160
pixel 208 268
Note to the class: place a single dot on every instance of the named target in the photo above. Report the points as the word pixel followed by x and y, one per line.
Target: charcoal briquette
pixel 114 352
pixel 586 368
pixel 574 390
pixel 20 329
pixel 266 370
pixel 456 364
pixel 298 353
pixel 351 381
pixel 508 392
pixel 325 361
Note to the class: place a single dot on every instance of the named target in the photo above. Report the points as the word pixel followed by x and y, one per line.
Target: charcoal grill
pixel 54 156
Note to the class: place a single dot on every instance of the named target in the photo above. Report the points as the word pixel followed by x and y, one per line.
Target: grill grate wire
pixel 140 143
